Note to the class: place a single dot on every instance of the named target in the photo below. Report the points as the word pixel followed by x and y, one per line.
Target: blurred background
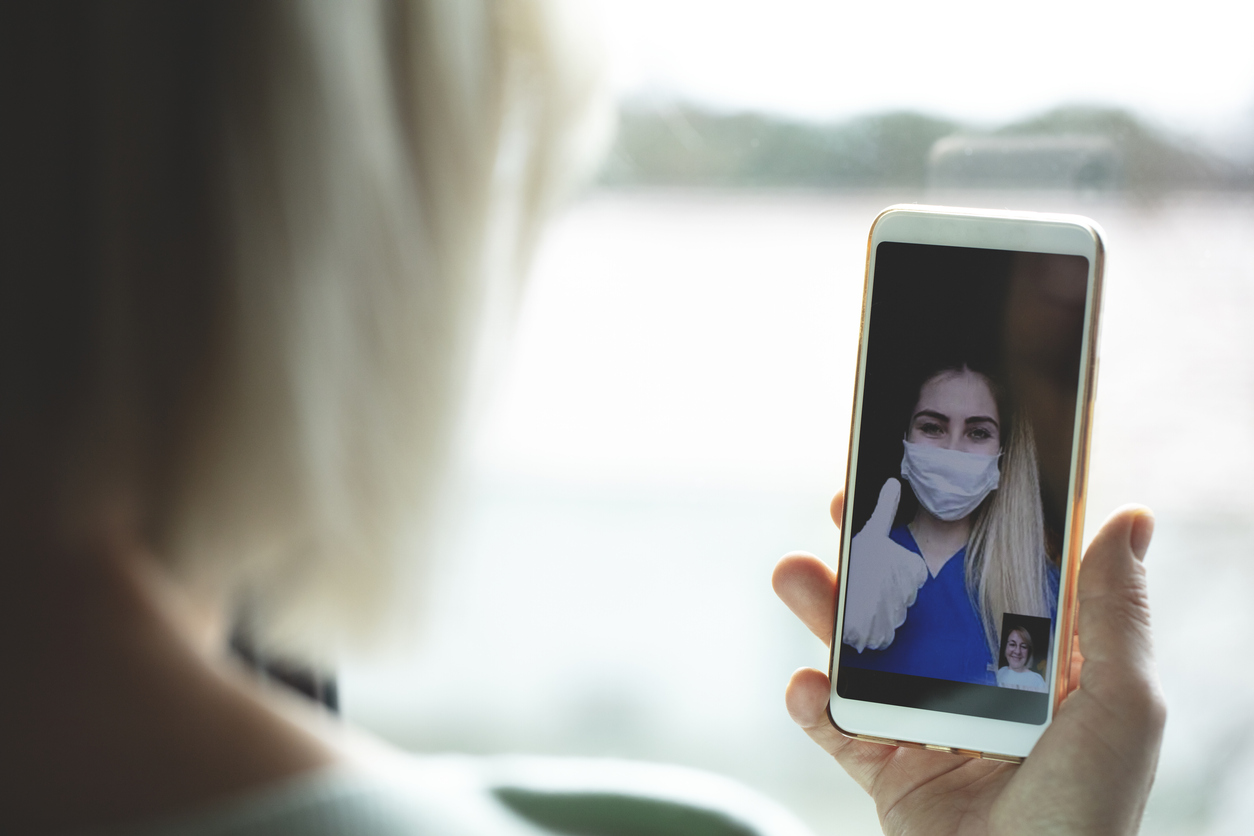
pixel 673 414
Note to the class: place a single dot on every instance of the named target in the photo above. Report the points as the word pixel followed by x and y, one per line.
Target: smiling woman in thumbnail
pixel 1016 650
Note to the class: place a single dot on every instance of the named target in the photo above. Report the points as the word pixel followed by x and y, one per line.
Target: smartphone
pixel 964 496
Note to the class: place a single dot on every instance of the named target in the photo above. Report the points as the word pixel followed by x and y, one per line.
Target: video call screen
pixel 972 374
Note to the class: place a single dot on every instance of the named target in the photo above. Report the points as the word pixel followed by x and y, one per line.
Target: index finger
pixel 808 587
pixel 838 508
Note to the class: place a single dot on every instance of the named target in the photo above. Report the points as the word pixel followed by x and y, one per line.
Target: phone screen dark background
pixel 1020 315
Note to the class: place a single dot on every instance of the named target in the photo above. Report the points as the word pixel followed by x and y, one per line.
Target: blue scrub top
pixel 942 636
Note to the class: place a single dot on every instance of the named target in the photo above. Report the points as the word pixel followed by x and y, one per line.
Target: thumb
pixel 1114 617
pixel 1099 755
pixel 881 521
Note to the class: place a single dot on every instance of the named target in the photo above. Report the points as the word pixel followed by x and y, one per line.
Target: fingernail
pixel 1142 533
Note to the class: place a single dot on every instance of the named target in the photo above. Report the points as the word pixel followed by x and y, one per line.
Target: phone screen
pixel 971 379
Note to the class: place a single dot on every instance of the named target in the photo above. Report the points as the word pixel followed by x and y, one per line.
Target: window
pixel 675 412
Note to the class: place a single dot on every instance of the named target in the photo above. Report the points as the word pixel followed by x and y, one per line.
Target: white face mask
pixel 950 484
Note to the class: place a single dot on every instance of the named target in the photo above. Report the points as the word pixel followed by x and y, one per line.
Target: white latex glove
pixel 884 578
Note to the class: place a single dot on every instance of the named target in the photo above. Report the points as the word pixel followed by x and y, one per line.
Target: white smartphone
pixel 964 496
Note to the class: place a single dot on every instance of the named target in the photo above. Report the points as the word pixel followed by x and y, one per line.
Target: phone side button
pixel 935 748
pixel 989 756
pixel 882 740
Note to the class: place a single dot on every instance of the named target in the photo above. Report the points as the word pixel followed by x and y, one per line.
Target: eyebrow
pixel 974 419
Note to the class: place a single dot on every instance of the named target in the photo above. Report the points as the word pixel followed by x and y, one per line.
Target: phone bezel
pixel 985 229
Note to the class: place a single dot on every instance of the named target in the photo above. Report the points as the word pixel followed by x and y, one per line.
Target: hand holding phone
pixel 975 385
pixel 889 571
pixel 1091 770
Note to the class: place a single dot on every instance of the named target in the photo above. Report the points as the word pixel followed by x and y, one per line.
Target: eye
pixel 931 429
pixel 980 434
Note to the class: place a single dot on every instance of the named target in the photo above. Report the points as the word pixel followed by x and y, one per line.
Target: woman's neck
pixel 118 705
pixel 938 539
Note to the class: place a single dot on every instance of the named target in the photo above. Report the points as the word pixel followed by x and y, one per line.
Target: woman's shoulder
pixel 354 799
pixel 453 795
pixel 1053 578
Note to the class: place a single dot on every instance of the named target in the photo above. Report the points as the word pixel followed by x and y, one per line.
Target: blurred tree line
pixel 1082 147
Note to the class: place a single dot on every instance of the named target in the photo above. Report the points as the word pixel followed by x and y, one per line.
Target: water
pixel 674 416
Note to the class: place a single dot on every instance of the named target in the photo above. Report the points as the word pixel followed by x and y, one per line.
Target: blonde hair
pixel 292 217
pixel 1006 558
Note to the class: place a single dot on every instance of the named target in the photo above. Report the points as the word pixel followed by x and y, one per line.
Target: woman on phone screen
pixel 972 551
pixel 1015 674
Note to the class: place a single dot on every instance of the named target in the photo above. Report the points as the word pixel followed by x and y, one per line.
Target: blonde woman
pixel 974 548
pixel 246 246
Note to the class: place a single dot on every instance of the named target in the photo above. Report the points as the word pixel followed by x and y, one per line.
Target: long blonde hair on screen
pixel 244 300
pixel 1006 557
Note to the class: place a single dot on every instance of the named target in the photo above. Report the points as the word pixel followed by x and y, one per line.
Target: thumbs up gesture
pixel 884 578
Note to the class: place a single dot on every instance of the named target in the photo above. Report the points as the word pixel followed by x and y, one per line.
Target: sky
pixel 1187 66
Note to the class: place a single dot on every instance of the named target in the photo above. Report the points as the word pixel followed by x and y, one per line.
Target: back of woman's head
pixel 245 247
